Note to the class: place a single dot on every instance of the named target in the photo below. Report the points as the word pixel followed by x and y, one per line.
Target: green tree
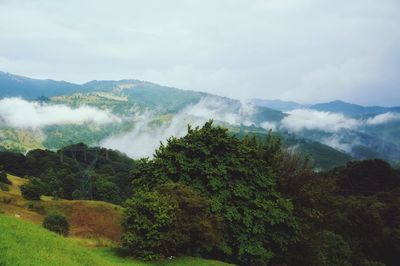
pixel 238 178
pixel 4 179
pixel 147 219
pixel 107 191
pixel 196 231
pixel 56 223
pixel 31 191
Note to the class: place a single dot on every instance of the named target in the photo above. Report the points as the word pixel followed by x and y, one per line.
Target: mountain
pixel 150 113
pixel 353 110
pixel 28 88
pixel 278 104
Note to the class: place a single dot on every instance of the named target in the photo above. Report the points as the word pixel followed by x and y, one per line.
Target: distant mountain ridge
pixel 350 109
pixel 337 106
pixel 28 88
pixel 278 104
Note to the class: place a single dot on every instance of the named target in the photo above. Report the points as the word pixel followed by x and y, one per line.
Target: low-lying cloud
pixel 267 125
pixel 306 119
pixel 147 133
pixel 383 118
pixel 19 113
pixel 224 110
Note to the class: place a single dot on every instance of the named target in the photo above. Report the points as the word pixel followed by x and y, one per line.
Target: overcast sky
pixel 302 50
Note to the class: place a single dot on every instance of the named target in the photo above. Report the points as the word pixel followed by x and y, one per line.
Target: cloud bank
pixel 306 119
pixel 147 133
pixel 18 113
pixel 383 118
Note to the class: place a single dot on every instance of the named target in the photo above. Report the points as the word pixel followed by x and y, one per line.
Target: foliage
pixel 107 191
pixel 328 248
pixel 148 217
pixel 62 173
pixel 4 187
pixel 237 176
pixel 367 177
pixel 357 207
pixel 195 231
pixel 31 191
pixel 3 178
pixel 172 220
pixel 56 223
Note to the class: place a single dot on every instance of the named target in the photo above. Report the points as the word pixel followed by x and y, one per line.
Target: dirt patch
pixel 91 220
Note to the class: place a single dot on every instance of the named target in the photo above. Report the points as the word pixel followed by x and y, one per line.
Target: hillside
pixel 23 243
pixel 94 232
pixel 95 219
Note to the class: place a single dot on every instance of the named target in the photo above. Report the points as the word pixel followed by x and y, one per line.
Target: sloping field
pixel 95 231
pixel 92 219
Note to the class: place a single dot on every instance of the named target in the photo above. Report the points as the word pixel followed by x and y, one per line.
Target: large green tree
pixel 238 178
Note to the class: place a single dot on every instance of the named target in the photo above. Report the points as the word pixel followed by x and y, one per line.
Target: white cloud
pixel 147 133
pixel 335 142
pixel 383 118
pixel 267 125
pixel 306 119
pixel 18 113
pixel 224 110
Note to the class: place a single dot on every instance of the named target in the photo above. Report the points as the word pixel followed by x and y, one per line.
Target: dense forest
pixel 243 200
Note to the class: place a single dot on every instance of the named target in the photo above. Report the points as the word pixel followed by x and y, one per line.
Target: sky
pixel 302 50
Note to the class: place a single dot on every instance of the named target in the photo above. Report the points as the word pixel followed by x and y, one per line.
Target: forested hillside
pixel 243 200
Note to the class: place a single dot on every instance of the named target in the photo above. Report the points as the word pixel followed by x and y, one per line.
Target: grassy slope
pixel 24 242
pixel 93 219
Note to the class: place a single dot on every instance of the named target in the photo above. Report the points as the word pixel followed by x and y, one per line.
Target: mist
pixel 306 119
pixel 149 130
pixel 383 118
pixel 19 113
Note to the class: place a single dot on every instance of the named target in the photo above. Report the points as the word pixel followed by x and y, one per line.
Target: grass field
pixel 23 243
pixel 94 228
pixel 86 218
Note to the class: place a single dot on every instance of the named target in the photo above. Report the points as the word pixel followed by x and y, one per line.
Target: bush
pixel 31 191
pixel 171 220
pixel 7 200
pixel 4 179
pixel 56 223
pixel 35 206
pixel 4 187
pixel 196 231
pixel 148 217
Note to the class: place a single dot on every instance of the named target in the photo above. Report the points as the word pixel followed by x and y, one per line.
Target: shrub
pixel 4 179
pixel 330 249
pixel 56 223
pixel 35 206
pixel 31 191
pixel 7 200
pixel 196 231
pixel 4 187
pixel 148 217
pixel 171 220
